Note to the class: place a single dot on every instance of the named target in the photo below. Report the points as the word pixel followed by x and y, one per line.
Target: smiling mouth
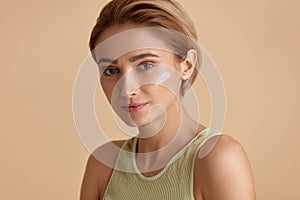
pixel 135 107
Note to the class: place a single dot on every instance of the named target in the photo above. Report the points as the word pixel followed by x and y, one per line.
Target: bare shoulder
pixel 224 172
pixel 98 170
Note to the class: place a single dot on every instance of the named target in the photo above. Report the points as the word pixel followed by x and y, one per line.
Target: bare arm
pixel 97 174
pixel 225 173
pixel 90 188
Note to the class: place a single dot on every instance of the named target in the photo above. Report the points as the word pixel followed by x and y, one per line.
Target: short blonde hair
pixel 167 14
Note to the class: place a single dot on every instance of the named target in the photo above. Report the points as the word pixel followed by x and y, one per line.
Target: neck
pixel 155 152
pixel 176 127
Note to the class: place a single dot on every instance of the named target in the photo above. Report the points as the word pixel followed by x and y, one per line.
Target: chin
pixel 141 119
pixel 138 122
pixel 134 119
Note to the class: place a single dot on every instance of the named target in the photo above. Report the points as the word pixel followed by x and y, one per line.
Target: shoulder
pixel 98 170
pixel 224 172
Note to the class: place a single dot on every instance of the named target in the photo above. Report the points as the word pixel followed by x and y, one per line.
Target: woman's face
pixel 141 85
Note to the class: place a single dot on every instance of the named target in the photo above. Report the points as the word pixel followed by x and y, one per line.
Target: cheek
pixel 107 89
pixel 107 94
pixel 159 94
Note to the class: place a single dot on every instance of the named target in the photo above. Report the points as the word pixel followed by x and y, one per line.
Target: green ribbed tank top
pixel 174 182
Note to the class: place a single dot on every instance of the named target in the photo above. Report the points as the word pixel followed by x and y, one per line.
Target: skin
pixel 225 173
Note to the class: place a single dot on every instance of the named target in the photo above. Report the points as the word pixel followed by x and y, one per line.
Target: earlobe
pixel 188 65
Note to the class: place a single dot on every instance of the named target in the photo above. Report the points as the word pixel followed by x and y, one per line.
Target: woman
pixel 147 60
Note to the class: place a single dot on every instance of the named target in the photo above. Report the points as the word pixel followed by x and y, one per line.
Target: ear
pixel 188 65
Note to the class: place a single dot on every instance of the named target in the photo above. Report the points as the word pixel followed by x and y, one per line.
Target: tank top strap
pixel 198 142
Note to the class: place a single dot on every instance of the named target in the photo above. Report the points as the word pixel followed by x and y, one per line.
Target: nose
pixel 129 84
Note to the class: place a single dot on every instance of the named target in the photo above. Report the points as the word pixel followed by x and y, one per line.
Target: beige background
pixel 254 43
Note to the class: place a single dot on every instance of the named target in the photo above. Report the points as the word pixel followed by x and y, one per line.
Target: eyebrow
pixel 107 60
pixel 132 59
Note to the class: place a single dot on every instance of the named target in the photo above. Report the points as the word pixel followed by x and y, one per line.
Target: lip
pixel 134 107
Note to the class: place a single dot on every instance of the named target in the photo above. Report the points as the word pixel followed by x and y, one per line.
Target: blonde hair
pixel 167 14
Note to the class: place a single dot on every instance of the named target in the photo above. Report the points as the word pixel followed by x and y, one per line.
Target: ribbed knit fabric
pixel 174 182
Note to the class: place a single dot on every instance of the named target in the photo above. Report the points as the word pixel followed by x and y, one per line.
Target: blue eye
pixel 145 66
pixel 111 71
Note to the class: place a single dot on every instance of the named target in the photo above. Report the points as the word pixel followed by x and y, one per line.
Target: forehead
pixel 122 39
pixel 151 55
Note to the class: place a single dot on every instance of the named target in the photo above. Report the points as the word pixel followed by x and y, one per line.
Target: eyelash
pixel 107 70
pixel 140 67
